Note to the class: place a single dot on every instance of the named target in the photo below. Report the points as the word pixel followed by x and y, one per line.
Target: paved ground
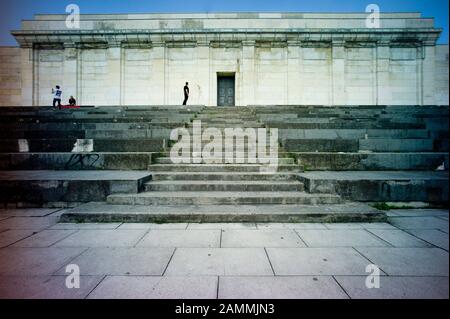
pixel 224 260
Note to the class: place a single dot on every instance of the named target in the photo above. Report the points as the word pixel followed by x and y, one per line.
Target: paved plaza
pixel 235 260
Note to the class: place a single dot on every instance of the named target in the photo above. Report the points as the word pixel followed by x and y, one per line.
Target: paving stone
pixel 409 261
pixel 9 237
pixel 261 238
pixel 433 236
pixel 399 238
pixel 317 261
pixel 123 261
pixel 219 262
pixel 376 226
pixel 32 223
pixel 343 225
pixel 392 287
pixel 102 238
pixel 419 212
pixel 139 287
pixel 35 261
pixel 304 287
pixel 339 238
pixel 221 226
pixel 419 222
pixel 44 238
pixel 86 226
pixel 153 226
pixel 181 238
pixel 27 212
pixel 290 226
pixel 45 287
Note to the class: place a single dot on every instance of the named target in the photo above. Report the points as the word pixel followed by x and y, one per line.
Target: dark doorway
pixel 225 90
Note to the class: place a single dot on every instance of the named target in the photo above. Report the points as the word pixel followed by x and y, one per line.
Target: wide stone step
pixel 69 145
pixel 103 212
pixel 372 161
pixel 223 176
pixel 281 161
pixel 397 145
pixel 42 134
pixel 381 186
pixel 226 186
pixel 352 133
pixel 42 187
pixel 75 161
pixel 222 198
pixel 206 168
pixel 321 145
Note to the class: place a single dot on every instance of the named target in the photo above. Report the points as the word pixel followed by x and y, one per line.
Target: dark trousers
pixel 57 101
pixel 186 97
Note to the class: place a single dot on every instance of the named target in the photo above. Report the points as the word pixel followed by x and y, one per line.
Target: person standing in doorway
pixel 57 94
pixel 186 93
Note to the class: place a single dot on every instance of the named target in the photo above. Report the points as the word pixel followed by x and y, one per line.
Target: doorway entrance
pixel 226 90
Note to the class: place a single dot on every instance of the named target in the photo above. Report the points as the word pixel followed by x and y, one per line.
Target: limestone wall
pixel 10 76
pixel 441 75
pixel 277 58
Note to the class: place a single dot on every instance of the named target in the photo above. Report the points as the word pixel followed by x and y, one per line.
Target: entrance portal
pixel 225 90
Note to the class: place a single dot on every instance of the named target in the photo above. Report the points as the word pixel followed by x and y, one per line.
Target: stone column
pixel 428 59
pixel 70 72
pixel 203 73
pixel 113 89
pixel 293 73
pixel 338 72
pixel 27 71
pixel 159 72
pixel 248 73
pixel 383 56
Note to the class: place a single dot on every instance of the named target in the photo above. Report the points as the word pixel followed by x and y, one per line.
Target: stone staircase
pixel 224 184
pixel 115 162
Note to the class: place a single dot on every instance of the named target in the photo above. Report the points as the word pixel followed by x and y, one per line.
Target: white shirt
pixel 57 93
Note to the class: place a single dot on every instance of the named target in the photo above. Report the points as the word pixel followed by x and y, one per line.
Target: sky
pixel 13 11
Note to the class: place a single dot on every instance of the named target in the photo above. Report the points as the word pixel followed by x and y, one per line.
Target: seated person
pixel 72 101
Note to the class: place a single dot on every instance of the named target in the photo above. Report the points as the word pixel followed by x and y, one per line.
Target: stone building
pixel 228 59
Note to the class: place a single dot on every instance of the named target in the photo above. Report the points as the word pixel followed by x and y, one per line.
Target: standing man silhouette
pixel 186 93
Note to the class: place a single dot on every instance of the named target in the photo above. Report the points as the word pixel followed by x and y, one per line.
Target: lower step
pixel 227 186
pixel 222 198
pixel 381 186
pixel 102 212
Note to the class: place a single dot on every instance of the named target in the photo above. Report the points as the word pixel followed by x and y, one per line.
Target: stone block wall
pixel 10 76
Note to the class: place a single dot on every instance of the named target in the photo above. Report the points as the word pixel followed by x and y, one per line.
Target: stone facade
pixel 284 59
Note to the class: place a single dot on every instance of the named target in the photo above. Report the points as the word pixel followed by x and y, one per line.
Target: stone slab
pixel 148 226
pixel 316 261
pixel 9 237
pixel 123 261
pixel 399 238
pixel 409 261
pixel 339 238
pixel 44 238
pixel 35 261
pixel 181 238
pixel 219 262
pixel 223 226
pixel 102 238
pixel 27 212
pixel 30 223
pixel 393 287
pixel 432 236
pixel 419 223
pixel 291 287
pixel 155 287
pixel 45 287
pixel 260 238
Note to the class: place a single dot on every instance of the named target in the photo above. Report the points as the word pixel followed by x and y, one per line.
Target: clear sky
pixel 13 11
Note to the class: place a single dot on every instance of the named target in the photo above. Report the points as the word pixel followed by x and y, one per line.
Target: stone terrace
pixel 236 260
pixel 117 159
